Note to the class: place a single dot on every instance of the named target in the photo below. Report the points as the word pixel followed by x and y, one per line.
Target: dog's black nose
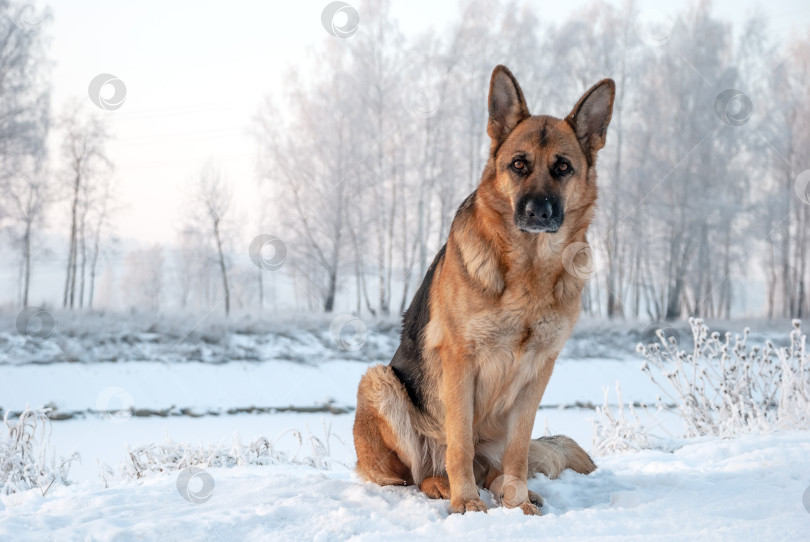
pixel 539 209
pixel 536 213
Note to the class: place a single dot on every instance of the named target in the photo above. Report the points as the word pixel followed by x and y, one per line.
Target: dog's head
pixel 544 164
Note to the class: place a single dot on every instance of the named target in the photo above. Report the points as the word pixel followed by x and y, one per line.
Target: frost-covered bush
pixel 26 460
pixel 618 432
pixel 173 456
pixel 723 387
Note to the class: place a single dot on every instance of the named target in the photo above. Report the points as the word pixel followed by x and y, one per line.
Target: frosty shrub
pixel 723 387
pixel 25 451
pixel 173 456
pixel 623 430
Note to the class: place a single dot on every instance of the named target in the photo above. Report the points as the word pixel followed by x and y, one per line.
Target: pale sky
pixel 196 72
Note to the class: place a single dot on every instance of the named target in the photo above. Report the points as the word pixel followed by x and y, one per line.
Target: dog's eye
pixel 562 168
pixel 518 165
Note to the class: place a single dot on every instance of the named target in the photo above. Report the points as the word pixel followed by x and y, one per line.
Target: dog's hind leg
pixel 552 455
pixel 436 487
pixel 383 433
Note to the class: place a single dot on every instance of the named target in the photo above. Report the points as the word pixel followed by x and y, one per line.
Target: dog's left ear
pixel 591 116
pixel 507 106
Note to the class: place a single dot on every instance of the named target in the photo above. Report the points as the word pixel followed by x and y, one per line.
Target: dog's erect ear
pixel 507 107
pixel 591 116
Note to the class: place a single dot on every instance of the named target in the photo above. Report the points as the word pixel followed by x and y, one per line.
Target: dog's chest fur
pixel 514 349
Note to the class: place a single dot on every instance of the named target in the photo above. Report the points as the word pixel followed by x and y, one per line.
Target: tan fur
pixel 502 306
pixel 552 455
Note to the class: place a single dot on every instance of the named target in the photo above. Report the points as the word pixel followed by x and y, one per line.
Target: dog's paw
pixel 530 509
pixel 460 506
pixel 436 487
pixel 535 499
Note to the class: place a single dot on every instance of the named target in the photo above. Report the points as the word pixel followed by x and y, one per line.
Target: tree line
pixel 78 181
pixel 376 144
pixel 375 141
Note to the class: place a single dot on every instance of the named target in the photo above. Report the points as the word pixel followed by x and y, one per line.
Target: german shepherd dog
pixel 455 408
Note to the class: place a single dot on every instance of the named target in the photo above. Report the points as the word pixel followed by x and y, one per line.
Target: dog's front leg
pixel 511 486
pixel 458 390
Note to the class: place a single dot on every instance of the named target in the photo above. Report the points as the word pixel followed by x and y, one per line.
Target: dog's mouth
pixel 538 229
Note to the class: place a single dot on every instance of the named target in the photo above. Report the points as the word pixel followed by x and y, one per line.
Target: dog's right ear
pixel 507 106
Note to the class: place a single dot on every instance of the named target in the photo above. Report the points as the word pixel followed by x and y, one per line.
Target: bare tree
pixel 314 205
pixel 24 122
pixel 101 228
pixel 787 216
pixel 29 194
pixel 84 137
pixel 212 196
pixel 24 95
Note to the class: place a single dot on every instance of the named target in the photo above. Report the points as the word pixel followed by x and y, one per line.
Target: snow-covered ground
pixel 252 379
pixel 744 489
pixel 202 388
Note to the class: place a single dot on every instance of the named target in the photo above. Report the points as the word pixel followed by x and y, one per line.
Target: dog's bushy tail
pixel 552 455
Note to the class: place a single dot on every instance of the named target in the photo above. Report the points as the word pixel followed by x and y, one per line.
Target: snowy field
pixel 141 381
pixel 745 489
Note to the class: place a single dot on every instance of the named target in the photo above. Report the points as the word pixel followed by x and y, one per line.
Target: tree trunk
pixel 261 289
pixel 725 287
pixel 26 262
pixel 614 303
pixel 83 245
pixel 801 267
pixel 93 264
pixel 389 264
pixel 68 297
pixel 675 293
pixel 329 299
pixel 222 268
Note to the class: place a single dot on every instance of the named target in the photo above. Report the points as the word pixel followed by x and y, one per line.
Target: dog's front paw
pixel 460 506
pixel 535 499
pixel 530 509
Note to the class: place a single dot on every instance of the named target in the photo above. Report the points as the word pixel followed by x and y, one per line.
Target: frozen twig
pixel 26 458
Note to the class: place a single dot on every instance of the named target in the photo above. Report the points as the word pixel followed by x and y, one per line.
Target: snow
pixel 748 488
pixel 205 387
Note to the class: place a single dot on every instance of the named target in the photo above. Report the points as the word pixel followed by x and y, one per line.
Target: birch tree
pixel 25 185
pixel 211 197
pixel 85 135
pixel 28 195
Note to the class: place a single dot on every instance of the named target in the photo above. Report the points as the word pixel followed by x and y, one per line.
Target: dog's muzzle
pixel 539 214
